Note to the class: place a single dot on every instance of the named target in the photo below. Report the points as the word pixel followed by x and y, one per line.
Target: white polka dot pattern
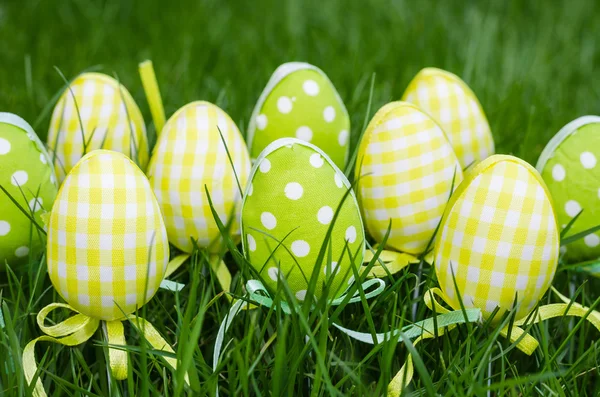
pixel 286 219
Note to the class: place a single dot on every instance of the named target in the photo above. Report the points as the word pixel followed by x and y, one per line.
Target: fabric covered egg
pixel 27 174
pixel 107 243
pixel 568 165
pixel 190 155
pixel 405 170
pixel 300 101
pixel 294 191
pixel 452 104
pixel 499 238
pixel 110 118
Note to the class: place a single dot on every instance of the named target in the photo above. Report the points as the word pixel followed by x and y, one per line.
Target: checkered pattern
pixel 499 236
pixel 107 242
pixel 190 155
pixel 406 176
pixel 103 113
pixel 455 107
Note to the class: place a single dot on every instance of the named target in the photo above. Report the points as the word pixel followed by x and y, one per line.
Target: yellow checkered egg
pixel 569 165
pixel 453 105
pixel 27 175
pixel 406 169
pixel 498 238
pixel 95 112
pixel 107 243
pixel 290 208
pixel 193 153
pixel 300 101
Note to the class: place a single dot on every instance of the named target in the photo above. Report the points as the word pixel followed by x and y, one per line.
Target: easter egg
pixel 300 101
pixel 294 192
pixel 498 238
pixel 96 112
pixel 189 156
pixel 107 244
pixel 27 174
pixel 568 165
pixel 406 170
pixel 452 104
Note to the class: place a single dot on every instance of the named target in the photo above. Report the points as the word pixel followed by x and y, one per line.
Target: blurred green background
pixel 533 65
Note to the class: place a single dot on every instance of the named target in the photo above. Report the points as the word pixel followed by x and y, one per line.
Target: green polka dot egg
pixel 454 106
pixel 294 192
pixel 300 101
pixel 405 168
pixel 498 239
pixel 569 166
pixel 108 115
pixel 189 156
pixel 27 174
pixel 107 244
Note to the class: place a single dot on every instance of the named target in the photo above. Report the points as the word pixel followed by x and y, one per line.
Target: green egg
pixel 570 168
pixel 300 101
pixel 294 192
pixel 27 174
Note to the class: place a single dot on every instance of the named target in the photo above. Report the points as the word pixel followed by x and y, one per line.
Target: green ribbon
pixel 416 330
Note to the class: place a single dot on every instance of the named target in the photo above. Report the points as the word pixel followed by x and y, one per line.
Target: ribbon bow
pixel 79 328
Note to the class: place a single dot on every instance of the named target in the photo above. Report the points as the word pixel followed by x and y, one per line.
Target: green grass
pixel 534 67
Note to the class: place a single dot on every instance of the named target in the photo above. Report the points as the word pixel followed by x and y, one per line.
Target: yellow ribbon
pixel 152 95
pixel 524 341
pixel 217 265
pixel 175 264
pixel 78 329
pixel 391 262
pixel 115 335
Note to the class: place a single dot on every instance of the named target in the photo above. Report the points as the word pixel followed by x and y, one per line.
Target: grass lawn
pixel 534 67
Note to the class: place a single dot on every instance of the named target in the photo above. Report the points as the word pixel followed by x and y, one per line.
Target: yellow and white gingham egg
pixel 110 119
pixel 190 155
pixel 499 237
pixel 405 168
pixel 107 244
pixel 454 106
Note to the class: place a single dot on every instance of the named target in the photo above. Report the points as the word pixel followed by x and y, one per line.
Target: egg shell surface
pixel 569 165
pixel 300 101
pixel 454 106
pixel 499 238
pixel 190 155
pixel 27 174
pixel 107 243
pixel 110 119
pixel 290 203
pixel 406 170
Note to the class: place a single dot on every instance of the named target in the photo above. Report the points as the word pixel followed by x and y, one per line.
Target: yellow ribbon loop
pixel 78 329
pixel 117 358
pixel 72 332
pixel 152 95
pixel 388 262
